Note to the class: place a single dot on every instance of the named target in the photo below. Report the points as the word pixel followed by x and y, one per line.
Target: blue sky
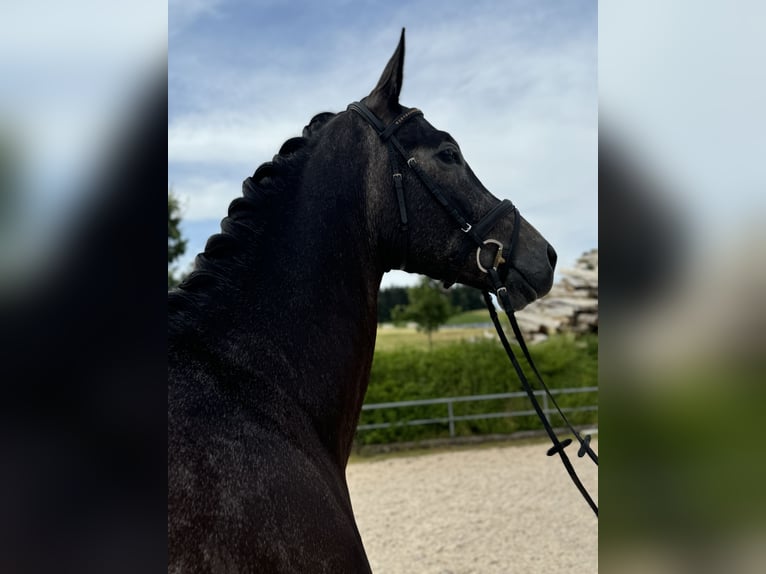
pixel 514 82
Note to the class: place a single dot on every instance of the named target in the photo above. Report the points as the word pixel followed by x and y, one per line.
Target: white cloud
pixel 206 198
pixel 522 105
pixel 227 138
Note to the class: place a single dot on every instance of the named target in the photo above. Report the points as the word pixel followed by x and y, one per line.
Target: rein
pixel 558 445
pixel 477 233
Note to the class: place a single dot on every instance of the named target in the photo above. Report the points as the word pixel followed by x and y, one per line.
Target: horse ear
pixel 385 96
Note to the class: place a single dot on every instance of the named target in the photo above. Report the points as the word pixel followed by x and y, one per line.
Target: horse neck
pixel 305 321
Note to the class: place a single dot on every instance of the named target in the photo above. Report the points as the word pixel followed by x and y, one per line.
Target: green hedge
pixel 473 369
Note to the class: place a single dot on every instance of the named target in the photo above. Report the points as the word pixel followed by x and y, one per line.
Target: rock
pixel 571 305
pixel 537 322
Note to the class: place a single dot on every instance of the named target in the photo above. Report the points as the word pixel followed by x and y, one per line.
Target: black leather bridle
pixel 477 233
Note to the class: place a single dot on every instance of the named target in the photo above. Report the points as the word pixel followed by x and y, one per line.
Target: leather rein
pixel 502 261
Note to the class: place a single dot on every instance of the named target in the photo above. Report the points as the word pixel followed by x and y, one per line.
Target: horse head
pixel 434 215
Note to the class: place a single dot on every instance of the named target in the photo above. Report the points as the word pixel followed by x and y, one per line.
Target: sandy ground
pixel 508 509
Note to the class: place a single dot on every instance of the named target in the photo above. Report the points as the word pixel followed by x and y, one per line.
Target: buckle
pixel 498 257
pixel 467 227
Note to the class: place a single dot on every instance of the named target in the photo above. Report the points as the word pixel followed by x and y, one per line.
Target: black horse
pixel 271 337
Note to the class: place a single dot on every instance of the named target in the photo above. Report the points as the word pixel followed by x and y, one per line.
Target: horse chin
pixel 521 295
pixel 520 290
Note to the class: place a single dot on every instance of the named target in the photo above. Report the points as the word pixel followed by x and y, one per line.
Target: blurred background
pixel 83 124
pixel 681 212
pixel 84 111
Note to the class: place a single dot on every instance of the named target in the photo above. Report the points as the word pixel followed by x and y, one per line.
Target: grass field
pixel 391 337
pixel 470 317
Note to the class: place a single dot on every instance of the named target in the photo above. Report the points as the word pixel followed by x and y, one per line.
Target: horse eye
pixel 449 156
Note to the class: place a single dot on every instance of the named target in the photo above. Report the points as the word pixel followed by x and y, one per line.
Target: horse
pixel 271 337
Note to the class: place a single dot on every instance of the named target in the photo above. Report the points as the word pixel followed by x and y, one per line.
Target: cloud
pixel 515 85
pixel 184 13
pixel 225 138
pixel 203 198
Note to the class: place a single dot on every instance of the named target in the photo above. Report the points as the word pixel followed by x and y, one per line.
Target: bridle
pixel 477 233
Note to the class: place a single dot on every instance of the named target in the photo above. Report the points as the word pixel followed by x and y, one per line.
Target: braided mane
pixel 250 215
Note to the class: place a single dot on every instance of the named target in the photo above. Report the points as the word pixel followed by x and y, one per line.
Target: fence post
pixel 451 415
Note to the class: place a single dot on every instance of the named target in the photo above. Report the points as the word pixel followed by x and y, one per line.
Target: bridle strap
pixel 398 122
pixel 482 229
pixel 371 118
pixel 454 212
pixel 476 232
pixel 487 223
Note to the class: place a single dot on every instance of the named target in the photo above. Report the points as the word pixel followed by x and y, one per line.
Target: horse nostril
pixel 552 256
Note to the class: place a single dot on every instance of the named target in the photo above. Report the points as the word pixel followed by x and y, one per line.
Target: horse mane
pixel 248 216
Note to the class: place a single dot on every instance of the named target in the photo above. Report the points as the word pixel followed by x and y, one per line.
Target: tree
pixel 176 243
pixel 429 307
pixel 466 298
pixel 389 298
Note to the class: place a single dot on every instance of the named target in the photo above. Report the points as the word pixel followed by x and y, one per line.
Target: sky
pixel 515 83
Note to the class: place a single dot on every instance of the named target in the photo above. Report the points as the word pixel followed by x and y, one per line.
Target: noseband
pixel 476 232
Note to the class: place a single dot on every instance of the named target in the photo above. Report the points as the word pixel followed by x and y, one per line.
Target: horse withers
pixel 271 336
